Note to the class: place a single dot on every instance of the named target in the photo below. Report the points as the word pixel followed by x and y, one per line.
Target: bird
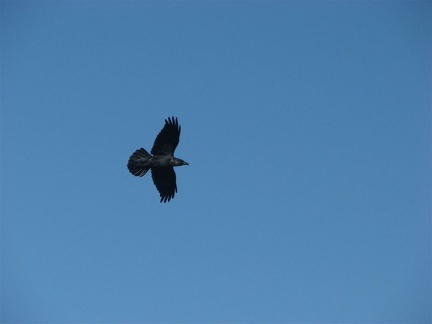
pixel 162 162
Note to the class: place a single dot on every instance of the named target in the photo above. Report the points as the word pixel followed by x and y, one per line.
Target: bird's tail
pixel 136 163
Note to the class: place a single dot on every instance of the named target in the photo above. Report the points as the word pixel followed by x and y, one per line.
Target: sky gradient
pixel 307 127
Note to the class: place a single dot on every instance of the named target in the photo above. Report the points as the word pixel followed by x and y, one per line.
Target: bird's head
pixel 178 162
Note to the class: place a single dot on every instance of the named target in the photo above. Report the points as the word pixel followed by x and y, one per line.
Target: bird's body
pixel 162 161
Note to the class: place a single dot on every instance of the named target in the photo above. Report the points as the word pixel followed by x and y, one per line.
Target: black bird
pixel 162 161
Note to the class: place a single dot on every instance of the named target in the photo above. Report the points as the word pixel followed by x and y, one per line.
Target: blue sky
pixel 307 127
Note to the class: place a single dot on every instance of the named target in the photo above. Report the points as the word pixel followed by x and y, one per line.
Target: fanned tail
pixel 136 163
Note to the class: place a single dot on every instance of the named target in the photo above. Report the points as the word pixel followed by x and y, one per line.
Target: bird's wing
pixel 168 138
pixel 164 179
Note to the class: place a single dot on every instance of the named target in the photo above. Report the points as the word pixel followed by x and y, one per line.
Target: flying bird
pixel 162 162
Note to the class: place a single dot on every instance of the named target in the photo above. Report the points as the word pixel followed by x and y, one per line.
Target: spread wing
pixel 164 179
pixel 168 138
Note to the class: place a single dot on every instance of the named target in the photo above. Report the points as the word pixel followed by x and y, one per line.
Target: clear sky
pixel 307 127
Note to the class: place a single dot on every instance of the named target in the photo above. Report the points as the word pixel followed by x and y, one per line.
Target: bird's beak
pixel 185 163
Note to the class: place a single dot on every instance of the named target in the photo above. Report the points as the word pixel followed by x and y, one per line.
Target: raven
pixel 162 161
